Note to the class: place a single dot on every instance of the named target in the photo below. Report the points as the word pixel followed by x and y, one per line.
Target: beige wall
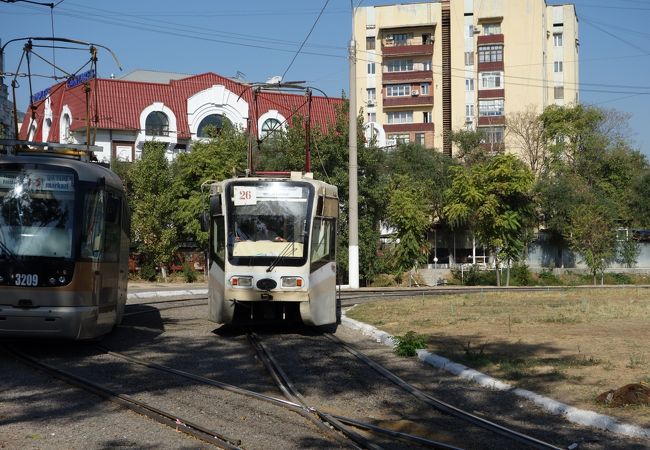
pixel 529 53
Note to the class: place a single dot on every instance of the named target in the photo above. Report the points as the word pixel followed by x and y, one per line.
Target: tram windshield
pixel 36 213
pixel 268 220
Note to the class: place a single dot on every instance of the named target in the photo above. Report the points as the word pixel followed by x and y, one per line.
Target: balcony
pixel 491 120
pixel 411 100
pixel 491 93
pixel 404 127
pixel 401 77
pixel 406 50
pixel 490 39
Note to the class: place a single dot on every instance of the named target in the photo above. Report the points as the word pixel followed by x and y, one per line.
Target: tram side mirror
pixel 204 220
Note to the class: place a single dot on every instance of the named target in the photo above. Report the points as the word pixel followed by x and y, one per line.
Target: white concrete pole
pixel 353 257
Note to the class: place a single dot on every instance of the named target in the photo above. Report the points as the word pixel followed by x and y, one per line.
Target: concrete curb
pixel 574 415
pixel 156 294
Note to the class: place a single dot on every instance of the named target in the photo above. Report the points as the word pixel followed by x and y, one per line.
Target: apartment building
pixel 425 69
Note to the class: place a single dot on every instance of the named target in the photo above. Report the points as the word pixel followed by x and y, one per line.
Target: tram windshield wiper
pixel 6 251
pixel 281 256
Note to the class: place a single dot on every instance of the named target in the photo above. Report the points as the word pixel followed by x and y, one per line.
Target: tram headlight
pixel 291 282
pixel 241 281
pixel 52 280
pixel 2 279
pixel 62 279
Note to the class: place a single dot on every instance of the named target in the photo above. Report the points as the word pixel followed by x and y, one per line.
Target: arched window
pixel 66 126
pixel 157 124
pixel 270 126
pixel 216 121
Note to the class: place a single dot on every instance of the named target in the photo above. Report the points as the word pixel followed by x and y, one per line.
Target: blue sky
pixel 260 39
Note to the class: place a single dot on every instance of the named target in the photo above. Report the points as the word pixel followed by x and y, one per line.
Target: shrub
pixel 148 271
pixel 520 275
pixel 383 280
pixel 189 273
pixel 618 278
pixel 548 278
pixel 408 344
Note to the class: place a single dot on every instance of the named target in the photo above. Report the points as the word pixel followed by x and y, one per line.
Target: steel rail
pixel 322 419
pixel 160 416
pixel 296 407
pixel 443 406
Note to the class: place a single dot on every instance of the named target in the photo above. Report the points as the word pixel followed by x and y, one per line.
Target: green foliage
pixel 639 200
pixel 629 250
pixel 521 276
pixel 470 148
pixel 214 159
pixel 148 271
pixel 474 276
pixel 189 273
pixel 151 199
pixel 408 344
pixel 548 278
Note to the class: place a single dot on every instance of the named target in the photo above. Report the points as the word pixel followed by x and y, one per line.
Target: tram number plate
pixel 26 279
pixel 245 195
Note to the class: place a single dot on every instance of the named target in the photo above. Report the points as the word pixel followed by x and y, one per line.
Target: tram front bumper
pixel 77 322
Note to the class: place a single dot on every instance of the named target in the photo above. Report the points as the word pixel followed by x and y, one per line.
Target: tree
pixel 593 236
pixel 526 131
pixel 470 146
pixel 493 199
pixel 409 212
pixel 153 231
pixel 216 159
pixel 639 200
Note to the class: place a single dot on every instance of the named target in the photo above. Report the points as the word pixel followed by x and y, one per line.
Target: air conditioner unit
pixel 371 103
pixel 477 30
pixel 415 92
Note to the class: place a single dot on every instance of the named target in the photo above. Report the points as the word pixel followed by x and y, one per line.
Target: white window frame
pixel 397 117
pixel 491 28
pixel 491 80
pixel 469 58
pixel 398 90
pixel 491 107
pixel 469 84
pixel 426 117
pixel 494 135
pixel 372 94
pixel 399 65
pixel 558 66
pixel 558 39
pixel 400 138
pixel 490 53
pixel 424 88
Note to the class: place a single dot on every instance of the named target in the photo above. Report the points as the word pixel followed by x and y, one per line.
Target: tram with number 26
pixel 64 242
pixel 273 250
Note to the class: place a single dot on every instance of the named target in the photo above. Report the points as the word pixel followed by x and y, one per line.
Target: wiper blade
pixel 281 256
pixel 7 251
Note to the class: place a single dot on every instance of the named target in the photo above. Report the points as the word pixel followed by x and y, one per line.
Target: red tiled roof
pixel 120 103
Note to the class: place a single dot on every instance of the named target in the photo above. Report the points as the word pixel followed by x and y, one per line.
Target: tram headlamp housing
pixel 62 279
pixel 241 281
pixel 292 282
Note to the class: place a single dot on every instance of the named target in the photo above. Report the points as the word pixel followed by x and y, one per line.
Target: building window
pixel 426 65
pixel 419 138
pixel 370 43
pixel 426 117
pixel 558 66
pixel 401 38
pixel 469 111
pixel 400 65
pixel 372 95
pixel 558 92
pixel 372 117
pixel 491 80
pixel 491 28
pixel 270 126
pixel 493 135
pixel 424 88
pixel 371 68
pixel 490 53
pixel 558 39
pixel 398 90
pixel 400 117
pixel 402 138
pixel 426 39
pixel 470 31
pixel 490 108
pixel 211 124
pixel 66 126
pixel 157 124
pixel 469 84
pixel 469 58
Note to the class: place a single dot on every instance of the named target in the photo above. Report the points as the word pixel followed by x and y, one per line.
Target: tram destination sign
pixel 38 181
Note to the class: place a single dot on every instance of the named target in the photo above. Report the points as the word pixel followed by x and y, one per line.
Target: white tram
pixel 273 250
pixel 64 242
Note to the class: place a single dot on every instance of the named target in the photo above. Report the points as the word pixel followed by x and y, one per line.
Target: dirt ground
pixel 570 345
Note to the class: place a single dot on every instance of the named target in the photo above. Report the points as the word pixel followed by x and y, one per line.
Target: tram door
pixel 217 278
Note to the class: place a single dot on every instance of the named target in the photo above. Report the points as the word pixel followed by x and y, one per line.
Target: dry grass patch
pixel 570 345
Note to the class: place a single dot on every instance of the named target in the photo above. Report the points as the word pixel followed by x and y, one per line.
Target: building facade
pixel 426 69
pixel 172 108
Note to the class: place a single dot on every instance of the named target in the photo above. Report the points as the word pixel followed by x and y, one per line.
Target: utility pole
pixel 353 252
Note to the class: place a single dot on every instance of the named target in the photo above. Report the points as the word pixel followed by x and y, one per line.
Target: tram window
pixel 323 242
pixel 218 247
pixel 113 229
pixel 93 225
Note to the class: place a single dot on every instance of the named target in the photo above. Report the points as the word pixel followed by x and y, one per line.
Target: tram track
pixel 517 438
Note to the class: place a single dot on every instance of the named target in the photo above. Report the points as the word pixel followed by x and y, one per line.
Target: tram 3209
pixel 273 250
pixel 64 242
